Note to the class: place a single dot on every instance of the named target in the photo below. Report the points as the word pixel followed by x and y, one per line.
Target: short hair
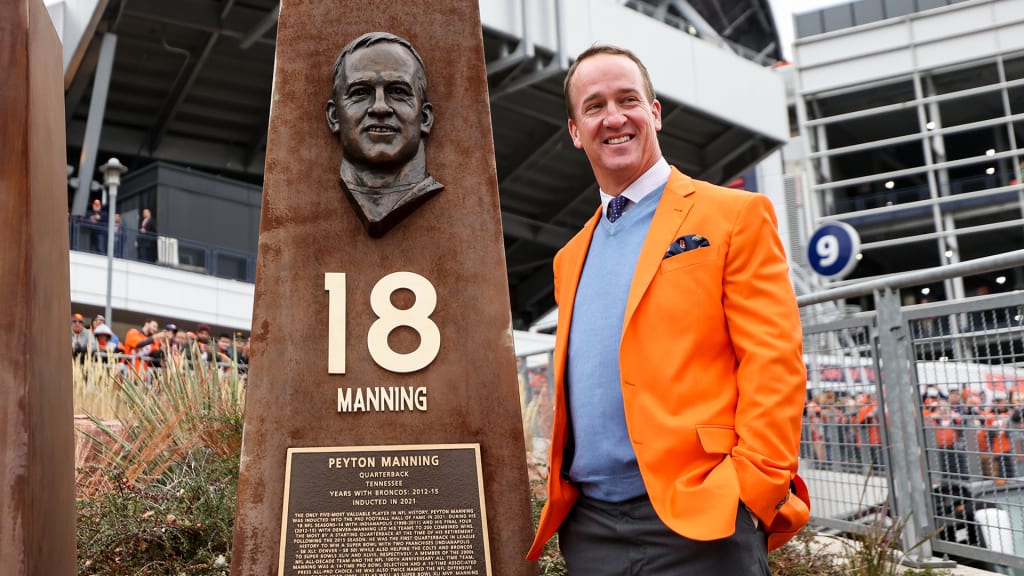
pixel 598 49
pixel 369 39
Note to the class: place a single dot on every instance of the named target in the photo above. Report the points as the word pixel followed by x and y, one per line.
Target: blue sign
pixel 832 251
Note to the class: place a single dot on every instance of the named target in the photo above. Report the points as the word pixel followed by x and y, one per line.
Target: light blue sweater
pixel 604 464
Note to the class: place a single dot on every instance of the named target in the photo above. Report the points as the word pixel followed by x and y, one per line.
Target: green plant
pixel 179 524
pixel 878 550
pixel 801 557
pixel 157 495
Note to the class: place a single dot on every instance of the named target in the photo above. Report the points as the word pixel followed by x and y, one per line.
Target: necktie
pixel 615 207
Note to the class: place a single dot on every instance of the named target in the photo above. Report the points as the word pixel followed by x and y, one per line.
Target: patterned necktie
pixel 615 207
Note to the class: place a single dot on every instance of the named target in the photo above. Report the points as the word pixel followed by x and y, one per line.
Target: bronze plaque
pixel 380 510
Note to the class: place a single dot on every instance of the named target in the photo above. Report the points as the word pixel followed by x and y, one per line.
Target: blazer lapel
pixel 668 219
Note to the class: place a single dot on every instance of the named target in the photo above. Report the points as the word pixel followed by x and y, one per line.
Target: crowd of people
pixel 843 431
pixel 149 346
pixel 145 239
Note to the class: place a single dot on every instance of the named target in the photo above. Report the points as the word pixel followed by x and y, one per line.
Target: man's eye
pixel 400 91
pixel 359 92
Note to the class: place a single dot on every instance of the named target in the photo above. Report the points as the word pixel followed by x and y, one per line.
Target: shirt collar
pixel 655 177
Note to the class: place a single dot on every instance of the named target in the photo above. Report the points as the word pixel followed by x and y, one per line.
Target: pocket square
pixel 685 244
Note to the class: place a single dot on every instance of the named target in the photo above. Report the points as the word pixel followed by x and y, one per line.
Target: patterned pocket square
pixel 685 244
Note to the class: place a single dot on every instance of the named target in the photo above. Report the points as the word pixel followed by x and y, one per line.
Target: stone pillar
pixel 320 262
pixel 37 503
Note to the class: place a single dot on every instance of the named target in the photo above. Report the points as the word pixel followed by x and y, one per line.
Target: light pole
pixel 112 172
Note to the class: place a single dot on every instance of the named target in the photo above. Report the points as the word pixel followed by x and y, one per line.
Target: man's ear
pixel 427 113
pixel 656 111
pixel 574 133
pixel 332 117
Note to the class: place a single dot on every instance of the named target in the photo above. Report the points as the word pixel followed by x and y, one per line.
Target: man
pixel 82 341
pixel 380 111
pixel 143 346
pixel 97 217
pixel 679 375
pixel 226 351
pixel 146 241
pixel 203 332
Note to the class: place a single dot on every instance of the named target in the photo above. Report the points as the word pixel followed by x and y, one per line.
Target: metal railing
pixel 917 413
pixel 163 250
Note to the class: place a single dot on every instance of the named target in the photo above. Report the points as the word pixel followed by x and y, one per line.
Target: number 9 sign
pixel 833 249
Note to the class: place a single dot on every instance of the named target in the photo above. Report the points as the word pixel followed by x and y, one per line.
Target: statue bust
pixel 380 112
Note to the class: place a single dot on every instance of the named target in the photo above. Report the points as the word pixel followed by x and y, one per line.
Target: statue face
pixel 378 112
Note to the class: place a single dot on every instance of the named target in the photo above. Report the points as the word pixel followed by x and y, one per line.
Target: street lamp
pixel 112 172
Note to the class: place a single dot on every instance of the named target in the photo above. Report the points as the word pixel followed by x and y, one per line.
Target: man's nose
pixel 380 103
pixel 613 117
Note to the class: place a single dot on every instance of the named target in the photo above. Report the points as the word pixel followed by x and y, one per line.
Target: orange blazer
pixel 712 372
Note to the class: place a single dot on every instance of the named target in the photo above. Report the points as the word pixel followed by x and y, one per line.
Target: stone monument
pixel 37 474
pixel 382 424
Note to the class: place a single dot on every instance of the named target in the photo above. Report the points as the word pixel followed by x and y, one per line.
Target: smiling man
pixel 380 111
pixel 679 374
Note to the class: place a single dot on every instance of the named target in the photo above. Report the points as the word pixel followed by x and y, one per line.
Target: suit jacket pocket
pixel 689 258
pixel 717 439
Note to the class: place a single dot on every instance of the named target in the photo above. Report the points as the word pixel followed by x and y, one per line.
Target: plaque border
pixel 475 446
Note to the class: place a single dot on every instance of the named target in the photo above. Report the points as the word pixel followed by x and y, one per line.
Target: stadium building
pixel 912 121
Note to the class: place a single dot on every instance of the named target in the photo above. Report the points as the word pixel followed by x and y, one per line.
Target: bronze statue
pixel 380 111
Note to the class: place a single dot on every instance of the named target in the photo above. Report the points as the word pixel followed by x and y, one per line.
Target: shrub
pixel 159 494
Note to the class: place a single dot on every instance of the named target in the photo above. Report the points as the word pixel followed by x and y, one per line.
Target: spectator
pixel 179 352
pixel 227 349
pixel 105 340
pixel 146 242
pixel 98 232
pixel 871 431
pixel 948 426
pixel 119 237
pixel 242 348
pixel 82 340
pixel 203 333
pixel 144 345
pixel 956 401
pixel 98 321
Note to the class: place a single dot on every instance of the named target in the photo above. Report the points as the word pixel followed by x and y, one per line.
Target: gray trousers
pixel 628 539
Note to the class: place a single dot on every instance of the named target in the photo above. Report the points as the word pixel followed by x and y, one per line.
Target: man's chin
pixel 383 160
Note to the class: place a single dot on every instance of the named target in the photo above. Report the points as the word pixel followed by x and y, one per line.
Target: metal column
pixel 97 107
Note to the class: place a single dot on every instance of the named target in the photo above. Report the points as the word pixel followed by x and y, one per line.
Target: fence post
pixel 910 485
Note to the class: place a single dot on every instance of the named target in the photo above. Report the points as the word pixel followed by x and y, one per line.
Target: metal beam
pixel 543 107
pixel 587 195
pixel 80 83
pixel 198 15
pixel 539 152
pixel 257 140
pixel 536 287
pixel 261 28
pixel 511 85
pixel 180 92
pixel 737 22
pixel 226 8
pixel 94 124
pixel 220 156
pixel 535 231
pixel 724 149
